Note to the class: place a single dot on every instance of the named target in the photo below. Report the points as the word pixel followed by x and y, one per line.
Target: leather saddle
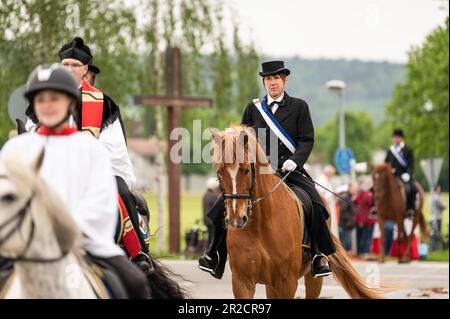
pixel 307 211
pixel 98 268
pixel 405 189
pixel 101 276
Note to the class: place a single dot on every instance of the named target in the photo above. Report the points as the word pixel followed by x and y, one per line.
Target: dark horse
pixel 162 279
pixel 390 202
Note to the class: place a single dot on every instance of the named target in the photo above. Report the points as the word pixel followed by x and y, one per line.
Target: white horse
pixel 39 234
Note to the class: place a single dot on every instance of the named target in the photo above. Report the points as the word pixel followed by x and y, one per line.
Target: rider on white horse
pixel 77 167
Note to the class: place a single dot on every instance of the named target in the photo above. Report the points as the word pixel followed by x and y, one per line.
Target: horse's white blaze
pixel 233 174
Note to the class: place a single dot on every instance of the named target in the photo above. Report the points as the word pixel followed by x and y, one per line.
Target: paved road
pixel 418 280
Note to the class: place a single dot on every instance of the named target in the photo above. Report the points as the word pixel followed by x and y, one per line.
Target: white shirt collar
pixel 270 99
pixel 400 146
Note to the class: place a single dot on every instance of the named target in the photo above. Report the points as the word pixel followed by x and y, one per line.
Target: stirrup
pixel 209 260
pixel 146 258
pixel 321 255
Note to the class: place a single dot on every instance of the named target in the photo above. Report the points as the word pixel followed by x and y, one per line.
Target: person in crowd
pixel 364 220
pixel 346 216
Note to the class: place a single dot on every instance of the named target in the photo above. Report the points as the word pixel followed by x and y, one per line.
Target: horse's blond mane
pixel 227 150
pixel 28 181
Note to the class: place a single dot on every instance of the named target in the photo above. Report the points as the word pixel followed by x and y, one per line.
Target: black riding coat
pixel 294 116
pixel 407 154
pixel 295 119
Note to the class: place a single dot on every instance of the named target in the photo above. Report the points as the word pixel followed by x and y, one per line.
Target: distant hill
pixel 369 85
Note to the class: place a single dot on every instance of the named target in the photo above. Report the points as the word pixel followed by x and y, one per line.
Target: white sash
pixel 398 156
pixel 274 125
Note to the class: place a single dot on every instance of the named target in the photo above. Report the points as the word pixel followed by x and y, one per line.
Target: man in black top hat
pixel 401 158
pixel 292 114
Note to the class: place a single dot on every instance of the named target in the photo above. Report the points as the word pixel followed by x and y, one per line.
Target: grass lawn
pixel 191 211
pixel 443 254
pixel 445 198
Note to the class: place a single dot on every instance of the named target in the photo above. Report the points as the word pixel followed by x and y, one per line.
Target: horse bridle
pixel 20 216
pixel 249 195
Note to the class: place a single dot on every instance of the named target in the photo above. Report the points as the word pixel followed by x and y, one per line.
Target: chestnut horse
pixel 264 219
pixel 390 202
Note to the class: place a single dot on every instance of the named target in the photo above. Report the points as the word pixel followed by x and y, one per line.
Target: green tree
pixel 359 137
pixel 427 81
pixel 227 74
pixel 420 105
pixel 32 32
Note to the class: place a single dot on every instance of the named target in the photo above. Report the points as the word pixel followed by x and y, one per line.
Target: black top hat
pixel 93 68
pixel 76 49
pixel 274 67
pixel 398 132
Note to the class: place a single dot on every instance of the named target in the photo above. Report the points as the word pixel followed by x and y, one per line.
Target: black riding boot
pixel 410 199
pixel 215 258
pixel 321 242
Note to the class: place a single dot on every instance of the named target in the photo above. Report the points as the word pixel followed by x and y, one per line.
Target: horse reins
pixel 21 214
pixel 282 179
pixel 325 188
pixel 249 195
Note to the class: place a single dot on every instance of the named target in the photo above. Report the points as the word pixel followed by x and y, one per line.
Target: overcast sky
pixel 364 29
pixel 375 30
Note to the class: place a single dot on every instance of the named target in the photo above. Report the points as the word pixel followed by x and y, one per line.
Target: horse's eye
pixel 8 198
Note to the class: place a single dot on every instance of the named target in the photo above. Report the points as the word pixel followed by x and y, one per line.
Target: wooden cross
pixel 174 101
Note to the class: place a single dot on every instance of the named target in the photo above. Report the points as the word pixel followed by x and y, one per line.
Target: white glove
pixel 289 166
pixel 405 177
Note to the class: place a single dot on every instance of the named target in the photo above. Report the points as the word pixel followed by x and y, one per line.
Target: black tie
pixel 273 103
pixel 280 103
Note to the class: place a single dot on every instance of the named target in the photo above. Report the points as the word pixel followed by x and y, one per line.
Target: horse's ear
pixel 39 160
pixel 215 136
